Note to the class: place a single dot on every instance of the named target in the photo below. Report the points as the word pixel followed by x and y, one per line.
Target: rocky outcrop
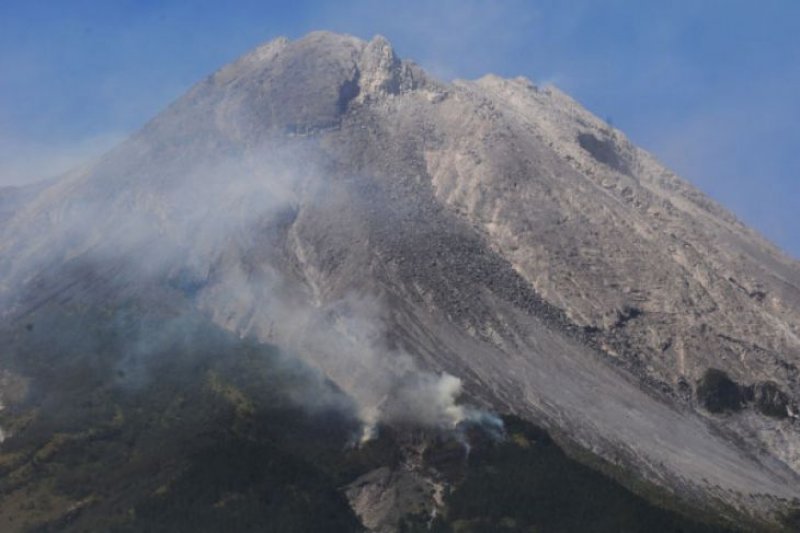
pixel 770 400
pixel 718 393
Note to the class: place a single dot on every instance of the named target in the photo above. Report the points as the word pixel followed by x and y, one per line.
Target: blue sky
pixel 711 87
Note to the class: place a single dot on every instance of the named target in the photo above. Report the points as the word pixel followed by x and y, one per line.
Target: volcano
pixel 324 239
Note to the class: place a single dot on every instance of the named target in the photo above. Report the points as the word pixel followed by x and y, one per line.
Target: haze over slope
pixel 408 237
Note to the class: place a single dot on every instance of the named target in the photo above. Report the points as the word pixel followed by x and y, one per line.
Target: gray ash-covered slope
pixel 508 236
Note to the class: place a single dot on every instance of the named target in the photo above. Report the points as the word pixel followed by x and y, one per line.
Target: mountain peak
pixel 381 71
pixel 303 85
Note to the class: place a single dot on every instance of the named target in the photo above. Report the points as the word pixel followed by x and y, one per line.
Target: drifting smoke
pixel 206 227
pixel 348 342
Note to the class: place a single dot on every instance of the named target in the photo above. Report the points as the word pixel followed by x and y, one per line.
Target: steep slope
pixel 393 231
pixel 14 197
pixel 157 420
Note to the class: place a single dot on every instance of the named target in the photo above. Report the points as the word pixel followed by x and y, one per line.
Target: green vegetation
pixel 143 421
pixel 168 424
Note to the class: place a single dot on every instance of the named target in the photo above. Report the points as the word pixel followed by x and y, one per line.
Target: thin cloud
pixel 450 38
pixel 24 161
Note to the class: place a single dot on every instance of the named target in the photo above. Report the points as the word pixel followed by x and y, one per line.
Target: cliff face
pixel 492 231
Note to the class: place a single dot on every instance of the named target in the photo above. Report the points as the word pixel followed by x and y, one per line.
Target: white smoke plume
pixel 346 340
pixel 200 227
